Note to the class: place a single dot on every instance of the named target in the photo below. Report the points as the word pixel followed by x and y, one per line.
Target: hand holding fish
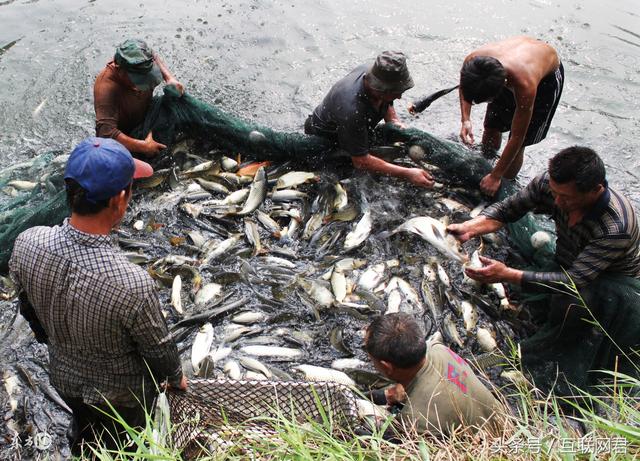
pixel 420 177
pixel 494 271
pixel 473 228
pixel 490 184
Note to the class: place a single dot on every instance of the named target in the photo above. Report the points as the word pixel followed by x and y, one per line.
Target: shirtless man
pixel 521 78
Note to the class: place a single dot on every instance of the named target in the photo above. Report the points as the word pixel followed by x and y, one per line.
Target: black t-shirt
pixel 347 115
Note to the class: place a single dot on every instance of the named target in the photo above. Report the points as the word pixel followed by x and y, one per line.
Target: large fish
pixel 201 345
pixel 320 374
pixel 434 232
pixel 359 233
pixel 271 351
pixel 257 193
pixel 294 178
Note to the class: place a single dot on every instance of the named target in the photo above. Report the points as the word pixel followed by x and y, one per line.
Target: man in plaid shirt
pixel 98 313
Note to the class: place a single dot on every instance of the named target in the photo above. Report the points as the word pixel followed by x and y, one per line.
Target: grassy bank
pixel 537 427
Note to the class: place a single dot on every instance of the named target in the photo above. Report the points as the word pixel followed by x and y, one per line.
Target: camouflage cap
pixel 135 56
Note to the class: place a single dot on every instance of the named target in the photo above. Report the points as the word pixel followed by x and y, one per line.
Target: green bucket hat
pixel 389 73
pixel 135 56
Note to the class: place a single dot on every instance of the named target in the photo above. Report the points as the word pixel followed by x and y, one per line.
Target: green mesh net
pixel 33 195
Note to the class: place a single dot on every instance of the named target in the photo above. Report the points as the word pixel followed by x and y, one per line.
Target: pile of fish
pixel 267 271
pixel 271 272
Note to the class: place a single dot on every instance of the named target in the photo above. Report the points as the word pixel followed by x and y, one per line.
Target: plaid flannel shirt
pixel 101 315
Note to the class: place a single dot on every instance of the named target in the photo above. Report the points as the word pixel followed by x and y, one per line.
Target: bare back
pixel 526 60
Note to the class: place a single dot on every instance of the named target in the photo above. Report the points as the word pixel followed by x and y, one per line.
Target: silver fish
pixel 201 345
pixel 212 186
pixel 176 294
pixel 449 327
pixel 271 351
pixel 213 250
pixel 22 185
pixel 338 284
pixel 320 374
pixel 347 364
pixel 247 318
pixel 252 234
pixel 360 232
pixel 207 293
pixel 228 164
pixel 294 178
pixel 486 340
pixel 268 223
pixel 257 193
pixel 288 195
pixel 317 291
pixel 232 369
pixel 435 233
pixel 341 199
pixel 470 316
pixel 255 365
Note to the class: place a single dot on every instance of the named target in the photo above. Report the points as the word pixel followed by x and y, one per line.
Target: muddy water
pixel 272 62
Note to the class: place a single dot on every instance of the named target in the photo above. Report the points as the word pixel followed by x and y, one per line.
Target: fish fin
pixel 437 232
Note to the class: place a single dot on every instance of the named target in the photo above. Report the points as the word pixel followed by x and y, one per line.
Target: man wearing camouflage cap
pixel 354 106
pixel 123 91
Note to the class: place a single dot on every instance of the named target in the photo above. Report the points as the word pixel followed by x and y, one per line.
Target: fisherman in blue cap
pixel 123 92
pixel 98 313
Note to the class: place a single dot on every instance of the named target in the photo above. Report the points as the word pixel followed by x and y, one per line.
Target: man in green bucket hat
pixel 123 92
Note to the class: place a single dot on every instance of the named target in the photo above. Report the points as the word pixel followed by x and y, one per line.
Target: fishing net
pixel 171 114
pixel 216 416
pixel 581 337
pixel 22 205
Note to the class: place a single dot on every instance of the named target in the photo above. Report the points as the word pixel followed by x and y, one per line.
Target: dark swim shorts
pixel 500 111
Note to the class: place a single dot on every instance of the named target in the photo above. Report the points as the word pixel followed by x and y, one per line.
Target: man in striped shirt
pixel 597 228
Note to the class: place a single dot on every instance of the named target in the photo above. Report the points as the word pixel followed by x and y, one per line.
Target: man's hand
pixel 466 133
pixel 420 177
pixel 395 394
pixel 150 147
pixel 463 231
pixel 182 386
pixel 492 272
pixel 490 184
pixel 179 86
pixel 412 109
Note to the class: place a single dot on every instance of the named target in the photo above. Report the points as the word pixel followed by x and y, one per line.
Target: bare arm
pixel 466 133
pixel 147 146
pixel 519 126
pixel 416 176
pixel 167 75
pixel 474 228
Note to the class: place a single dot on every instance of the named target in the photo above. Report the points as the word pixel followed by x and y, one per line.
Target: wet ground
pixel 272 62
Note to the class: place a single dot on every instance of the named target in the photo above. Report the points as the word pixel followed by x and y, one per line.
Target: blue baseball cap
pixel 103 167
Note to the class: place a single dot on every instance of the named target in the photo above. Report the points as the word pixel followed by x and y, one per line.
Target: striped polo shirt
pixel 606 240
